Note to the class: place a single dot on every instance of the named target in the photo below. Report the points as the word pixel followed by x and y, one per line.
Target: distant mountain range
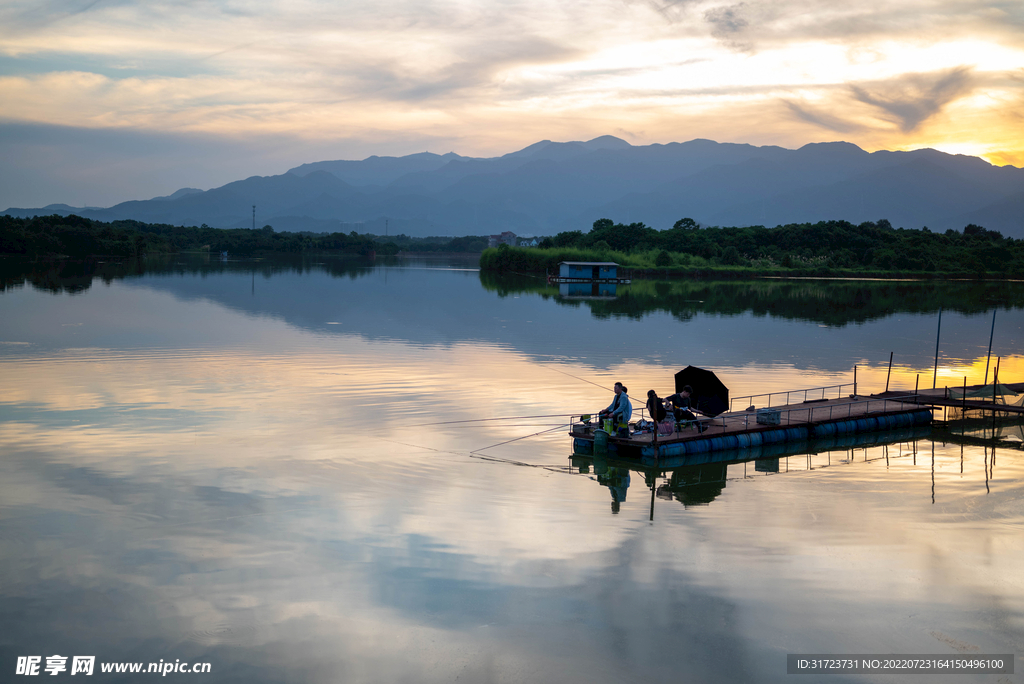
pixel 550 187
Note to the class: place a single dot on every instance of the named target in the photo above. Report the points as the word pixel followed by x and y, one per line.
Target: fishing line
pixel 493 459
pixel 417 446
pixel 557 427
pixel 467 427
pixel 579 378
pixel 480 420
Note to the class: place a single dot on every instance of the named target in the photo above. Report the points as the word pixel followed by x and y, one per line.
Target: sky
pixel 103 101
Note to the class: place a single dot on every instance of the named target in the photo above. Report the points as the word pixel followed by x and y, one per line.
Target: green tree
pixel 731 256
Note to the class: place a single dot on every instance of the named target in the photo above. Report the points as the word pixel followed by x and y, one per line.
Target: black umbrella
pixel 710 396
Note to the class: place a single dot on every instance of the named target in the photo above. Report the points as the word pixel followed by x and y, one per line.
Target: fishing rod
pixel 480 420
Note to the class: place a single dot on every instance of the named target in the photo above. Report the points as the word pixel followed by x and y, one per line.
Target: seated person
pixel 655 407
pixel 620 411
pixel 681 404
pixel 660 414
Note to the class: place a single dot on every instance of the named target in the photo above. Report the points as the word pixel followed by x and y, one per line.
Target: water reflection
pixel 206 469
pixel 594 290
pixel 699 485
pixel 615 478
pixel 830 302
pixel 700 480
pixel 725 325
pixel 78 275
pixel 697 479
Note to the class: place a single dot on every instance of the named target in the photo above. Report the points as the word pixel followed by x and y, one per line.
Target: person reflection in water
pixel 617 482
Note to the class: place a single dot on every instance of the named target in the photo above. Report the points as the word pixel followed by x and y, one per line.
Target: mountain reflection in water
pixel 832 302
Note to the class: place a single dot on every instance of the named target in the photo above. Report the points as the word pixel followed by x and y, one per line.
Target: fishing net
pixel 999 394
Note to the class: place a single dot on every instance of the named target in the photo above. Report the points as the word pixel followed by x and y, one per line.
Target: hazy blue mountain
pixel 179 193
pixel 550 186
pixel 49 209
pixel 377 170
pixel 833 180
pixel 1007 211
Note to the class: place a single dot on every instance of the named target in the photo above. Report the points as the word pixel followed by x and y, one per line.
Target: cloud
pixel 763 23
pixel 729 25
pixel 822 119
pixel 912 99
pixel 726 21
pixel 477 66
pixel 672 11
pixel 488 78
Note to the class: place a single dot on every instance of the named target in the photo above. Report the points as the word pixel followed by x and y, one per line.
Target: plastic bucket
pixel 601 440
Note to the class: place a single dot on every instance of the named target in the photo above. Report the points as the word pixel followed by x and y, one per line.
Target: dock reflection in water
pixel 592 290
pixel 698 479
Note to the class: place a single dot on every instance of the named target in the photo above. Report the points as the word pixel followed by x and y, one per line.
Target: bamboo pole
pixel 990 336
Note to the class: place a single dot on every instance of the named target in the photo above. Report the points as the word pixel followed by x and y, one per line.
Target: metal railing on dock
pixel 833 411
pixel 809 394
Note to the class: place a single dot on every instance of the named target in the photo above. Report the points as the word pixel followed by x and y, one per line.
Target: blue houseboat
pixel 587 272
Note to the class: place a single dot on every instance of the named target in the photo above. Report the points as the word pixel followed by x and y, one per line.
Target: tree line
pixel 815 248
pixel 76 236
pixel 806 247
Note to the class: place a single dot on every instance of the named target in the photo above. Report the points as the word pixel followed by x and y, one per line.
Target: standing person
pixel 620 410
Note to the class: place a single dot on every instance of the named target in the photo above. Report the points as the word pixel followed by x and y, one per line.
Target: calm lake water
pixel 292 470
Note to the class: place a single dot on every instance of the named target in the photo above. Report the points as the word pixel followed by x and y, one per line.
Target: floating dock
pixel 808 420
pixel 969 398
